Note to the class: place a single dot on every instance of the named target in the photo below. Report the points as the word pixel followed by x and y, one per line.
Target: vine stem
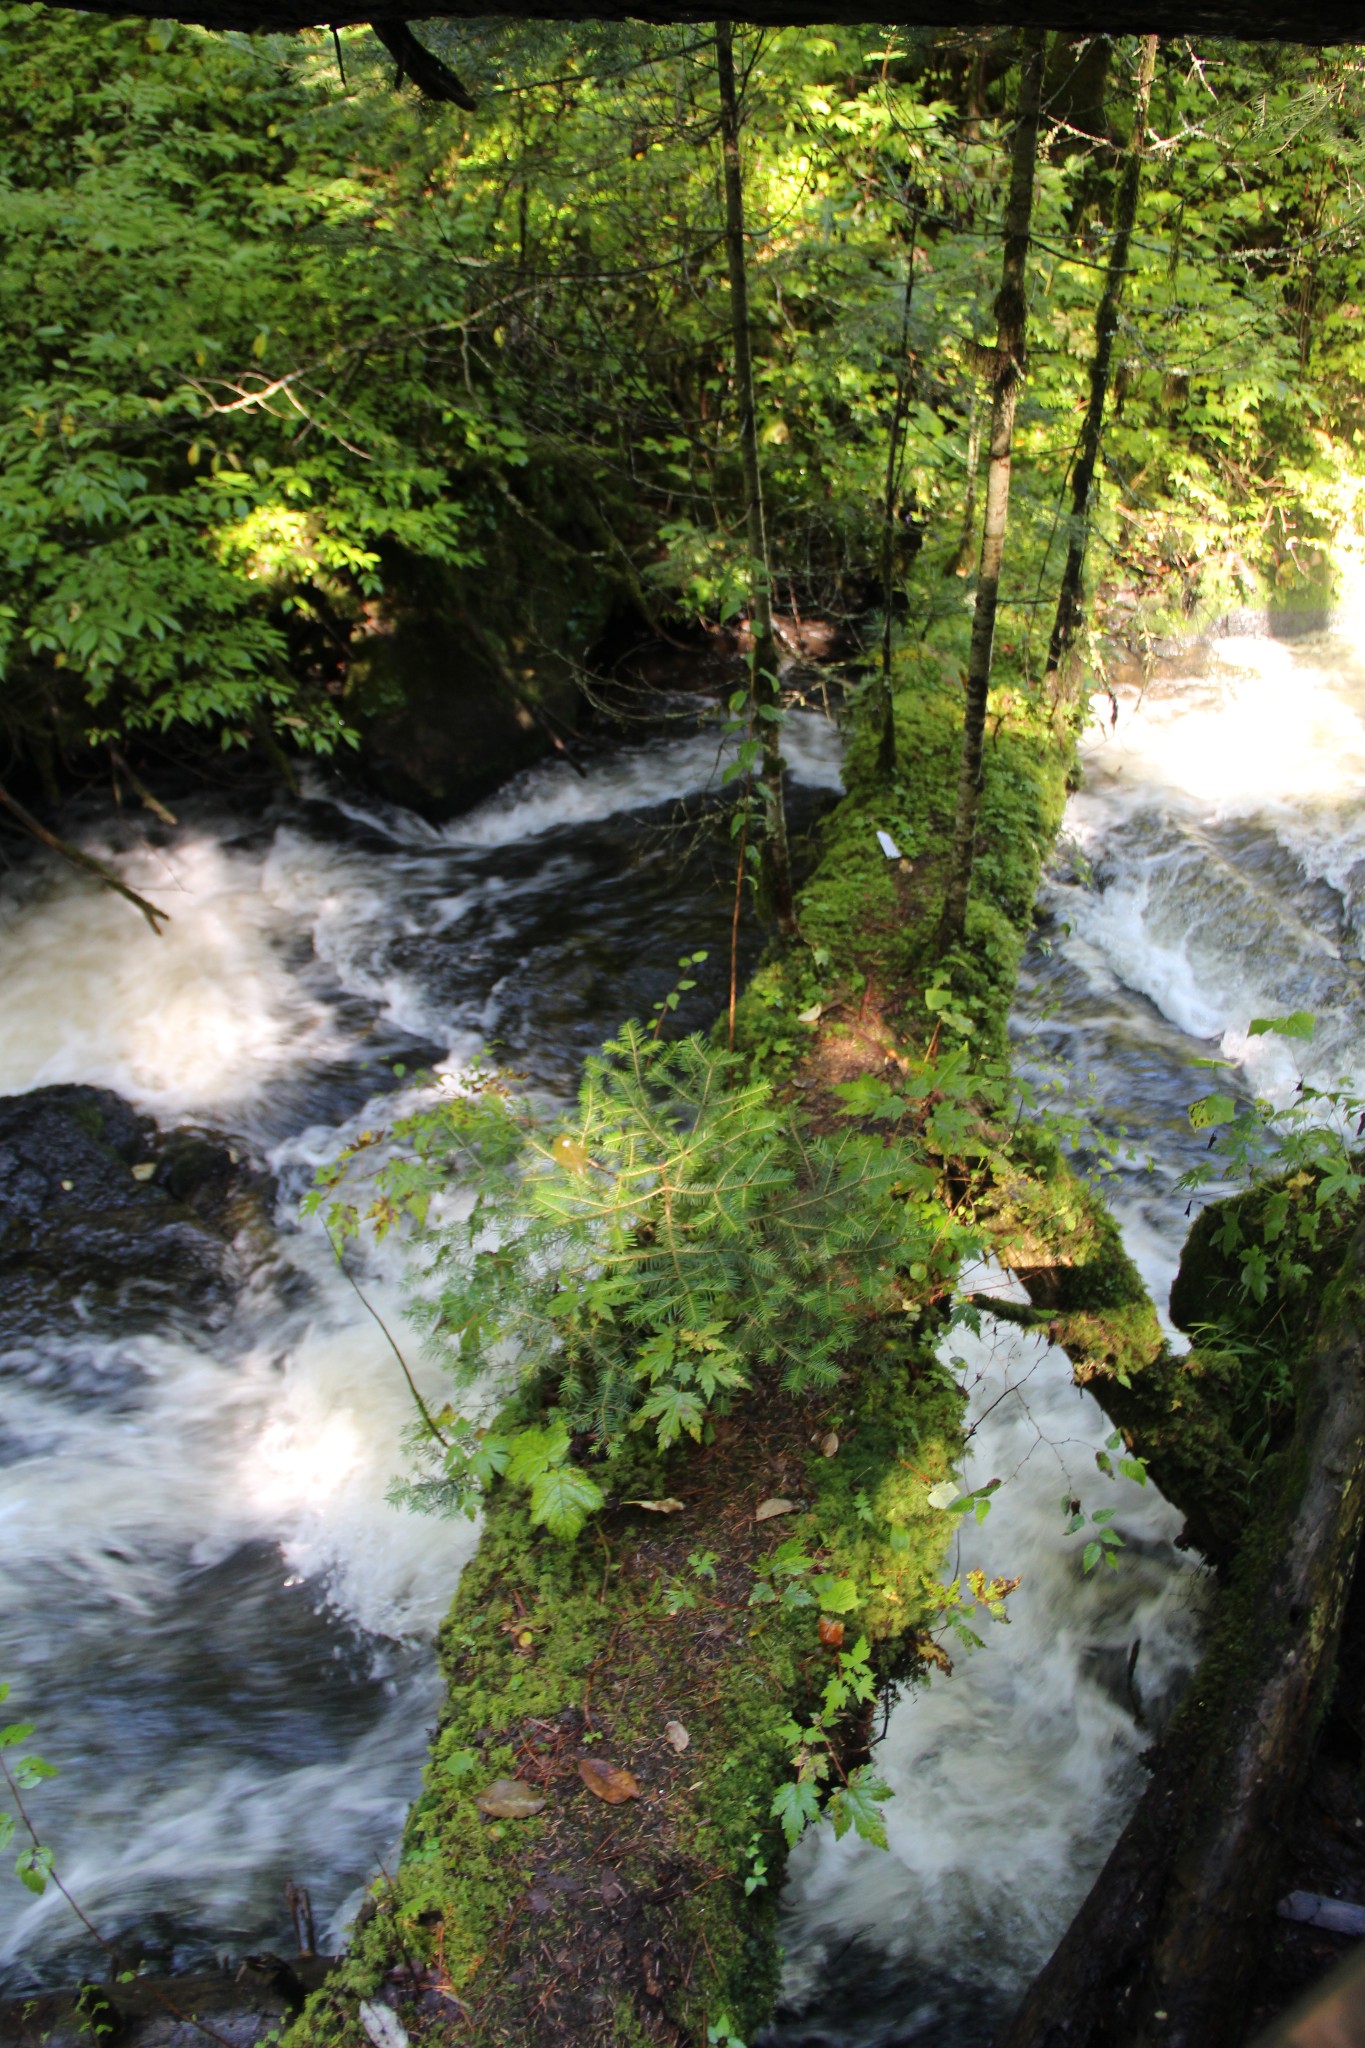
pixel 428 1418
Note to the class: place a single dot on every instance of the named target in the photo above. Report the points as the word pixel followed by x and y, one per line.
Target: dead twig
pixel 85 861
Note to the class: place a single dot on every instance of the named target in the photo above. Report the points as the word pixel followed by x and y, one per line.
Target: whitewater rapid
pixel 1212 870
pixel 220 1626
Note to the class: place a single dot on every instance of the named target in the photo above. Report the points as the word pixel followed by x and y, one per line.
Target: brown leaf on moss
pixel 677 1735
pixel 509 1799
pixel 608 1781
pixel 831 1632
pixel 766 1509
pixel 657 1507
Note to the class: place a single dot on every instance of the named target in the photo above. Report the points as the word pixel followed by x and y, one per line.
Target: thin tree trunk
pixel 1011 312
pixel 886 751
pixel 1164 1948
pixel 962 555
pixel 1067 622
pixel 776 880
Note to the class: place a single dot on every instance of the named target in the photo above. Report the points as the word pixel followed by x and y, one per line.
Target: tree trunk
pixel 1011 312
pixel 776 881
pixel 886 751
pixel 1329 21
pixel 1069 610
pixel 1163 1949
pixel 962 555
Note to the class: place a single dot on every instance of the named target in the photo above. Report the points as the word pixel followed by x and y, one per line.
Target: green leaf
pixel 795 1804
pixel 31 1770
pixel 836 1596
pixel 532 1452
pixel 563 1498
pixel 1298 1024
pixel 855 1805
pixel 32 1867
pixel 1091 1557
pixel 1211 1109
pixel 676 1410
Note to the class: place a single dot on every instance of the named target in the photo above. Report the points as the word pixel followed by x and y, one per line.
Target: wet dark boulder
pixel 102 1214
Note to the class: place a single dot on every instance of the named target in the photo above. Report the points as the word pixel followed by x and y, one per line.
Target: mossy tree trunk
pixel 1011 312
pixel 1164 1947
pixel 775 858
pixel 1067 622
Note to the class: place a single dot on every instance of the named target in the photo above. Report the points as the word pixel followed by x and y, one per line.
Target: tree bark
pixel 775 858
pixel 1067 622
pixel 1163 1949
pixel 1011 312
pixel 1329 21
pixel 962 555
pixel 428 72
pixel 886 751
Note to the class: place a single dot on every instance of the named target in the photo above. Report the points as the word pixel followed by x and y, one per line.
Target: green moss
pixel 871 923
pixel 550 1648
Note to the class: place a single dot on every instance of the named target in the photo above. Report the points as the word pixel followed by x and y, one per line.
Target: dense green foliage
pixel 685 1240
pixel 279 343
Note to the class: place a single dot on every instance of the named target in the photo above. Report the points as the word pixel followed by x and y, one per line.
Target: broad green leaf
pixel 1298 1024
pixel 855 1805
pixel 563 1498
pixel 1211 1109
pixel 795 1804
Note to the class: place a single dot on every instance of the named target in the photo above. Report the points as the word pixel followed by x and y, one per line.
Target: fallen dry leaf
pixel 677 1735
pixel 829 1444
pixel 144 1169
pixel 383 2027
pixel 657 1507
pixel 509 1799
pixel 766 1509
pixel 831 1632
pixel 608 1781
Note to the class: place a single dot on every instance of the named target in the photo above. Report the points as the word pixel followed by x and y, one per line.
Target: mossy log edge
pixel 1164 1945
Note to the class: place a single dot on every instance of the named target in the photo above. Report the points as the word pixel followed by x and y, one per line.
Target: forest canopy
pixel 285 348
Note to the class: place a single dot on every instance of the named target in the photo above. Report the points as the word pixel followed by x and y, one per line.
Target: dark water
pixel 219 1626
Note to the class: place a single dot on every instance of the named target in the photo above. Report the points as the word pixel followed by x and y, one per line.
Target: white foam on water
pixel 554 795
pixel 204 1018
pixel 198 1837
pixel 1210 927
pixel 131 1463
pixel 1011 1777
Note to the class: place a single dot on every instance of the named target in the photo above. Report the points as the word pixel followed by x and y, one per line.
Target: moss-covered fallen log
pixel 679 1639
pixel 1178 1411
pixel 1164 1948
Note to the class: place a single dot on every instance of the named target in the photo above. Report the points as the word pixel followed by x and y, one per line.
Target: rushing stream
pixel 1214 870
pixel 206 1604
pixel 220 1627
